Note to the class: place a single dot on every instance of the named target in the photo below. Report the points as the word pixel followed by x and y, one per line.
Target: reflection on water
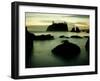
pixel 43 57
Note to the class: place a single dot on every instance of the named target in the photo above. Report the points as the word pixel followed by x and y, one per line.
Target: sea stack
pixel 75 29
pixel 58 27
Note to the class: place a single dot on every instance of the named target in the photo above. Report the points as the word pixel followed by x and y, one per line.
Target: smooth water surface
pixel 43 57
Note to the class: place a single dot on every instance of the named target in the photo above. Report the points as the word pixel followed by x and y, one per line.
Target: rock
pixel 87 46
pixel 44 37
pixel 66 49
pixel 75 36
pixel 86 36
pixel 75 29
pixel 29 38
pixel 58 27
pixel 62 36
pixel 87 31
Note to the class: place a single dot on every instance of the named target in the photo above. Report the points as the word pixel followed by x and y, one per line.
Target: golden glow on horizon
pixel 47 19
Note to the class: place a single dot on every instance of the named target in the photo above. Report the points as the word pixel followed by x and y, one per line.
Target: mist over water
pixel 43 57
pixel 38 24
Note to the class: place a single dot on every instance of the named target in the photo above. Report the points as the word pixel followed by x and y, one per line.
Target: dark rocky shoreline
pixel 65 50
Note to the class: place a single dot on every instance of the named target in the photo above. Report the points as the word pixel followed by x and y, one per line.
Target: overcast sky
pixel 36 19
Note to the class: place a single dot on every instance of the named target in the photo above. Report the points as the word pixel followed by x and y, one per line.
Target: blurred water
pixel 43 57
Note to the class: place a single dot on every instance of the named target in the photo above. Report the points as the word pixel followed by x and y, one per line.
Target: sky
pixel 40 19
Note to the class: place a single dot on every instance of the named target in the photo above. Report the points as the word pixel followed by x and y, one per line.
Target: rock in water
pixel 58 27
pixel 66 49
pixel 75 29
pixel 87 46
pixel 29 38
pixel 75 36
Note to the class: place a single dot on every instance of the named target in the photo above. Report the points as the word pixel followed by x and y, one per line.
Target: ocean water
pixel 43 57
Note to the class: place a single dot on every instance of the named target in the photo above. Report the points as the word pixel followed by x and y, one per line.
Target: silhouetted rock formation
pixel 87 46
pixel 87 31
pixel 62 36
pixel 75 29
pixel 66 49
pixel 58 27
pixel 28 48
pixel 86 36
pixel 75 36
pixel 44 37
pixel 32 37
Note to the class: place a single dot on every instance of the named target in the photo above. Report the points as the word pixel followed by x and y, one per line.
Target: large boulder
pixel 58 27
pixel 66 49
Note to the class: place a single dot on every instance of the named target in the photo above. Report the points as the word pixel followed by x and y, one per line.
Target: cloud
pixel 82 23
pixel 80 16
